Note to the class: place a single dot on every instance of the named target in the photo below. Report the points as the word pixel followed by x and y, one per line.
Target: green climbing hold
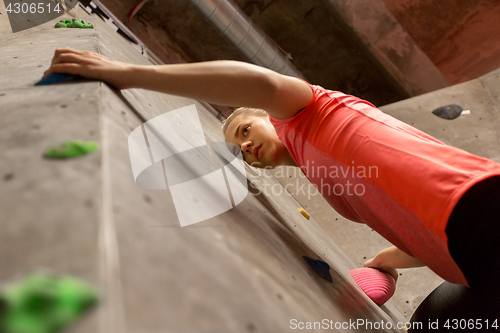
pixel 44 302
pixel 71 149
pixel 63 23
pixel 74 23
pixel 78 23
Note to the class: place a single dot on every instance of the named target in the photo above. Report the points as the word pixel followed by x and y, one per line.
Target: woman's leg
pixel 474 242
pixel 454 307
pixel 474 233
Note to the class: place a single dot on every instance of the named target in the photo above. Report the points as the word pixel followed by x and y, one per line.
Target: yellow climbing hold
pixel 303 212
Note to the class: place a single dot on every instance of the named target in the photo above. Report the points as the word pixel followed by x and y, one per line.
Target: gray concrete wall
pixel 239 272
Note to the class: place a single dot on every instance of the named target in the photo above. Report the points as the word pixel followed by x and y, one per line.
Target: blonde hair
pixel 243 111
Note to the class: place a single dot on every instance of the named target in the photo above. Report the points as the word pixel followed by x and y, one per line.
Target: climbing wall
pixel 475 130
pixel 241 271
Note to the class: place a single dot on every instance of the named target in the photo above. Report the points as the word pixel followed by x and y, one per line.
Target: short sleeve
pixel 278 122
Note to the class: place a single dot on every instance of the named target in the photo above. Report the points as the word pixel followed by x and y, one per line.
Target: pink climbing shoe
pixel 378 285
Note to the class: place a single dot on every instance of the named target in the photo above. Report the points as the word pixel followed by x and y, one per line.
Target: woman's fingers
pixel 392 271
pixel 368 263
pixel 61 55
pixel 59 52
pixel 63 68
pixel 70 58
pixel 70 61
pixel 67 51
pixel 90 65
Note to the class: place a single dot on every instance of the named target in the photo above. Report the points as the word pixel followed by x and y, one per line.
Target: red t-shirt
pixel 377 170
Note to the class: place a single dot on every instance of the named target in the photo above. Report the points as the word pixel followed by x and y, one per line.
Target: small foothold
pixel 450 111
pixel 71 149
pixel 379 286
pixel 303 212
pixel 58 78
pixel 321 267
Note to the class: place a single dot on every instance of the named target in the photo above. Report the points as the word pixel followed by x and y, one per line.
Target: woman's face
pixel 258 140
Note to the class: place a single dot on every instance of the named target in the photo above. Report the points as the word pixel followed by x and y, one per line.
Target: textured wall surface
pixel 242 271
pixel 461 37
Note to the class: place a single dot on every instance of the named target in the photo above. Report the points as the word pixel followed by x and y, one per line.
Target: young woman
pixel 437 204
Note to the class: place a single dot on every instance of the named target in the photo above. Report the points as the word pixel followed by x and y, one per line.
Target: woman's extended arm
pixel 222 82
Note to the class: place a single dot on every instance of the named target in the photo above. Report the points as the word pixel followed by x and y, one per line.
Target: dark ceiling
pixel 321 46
